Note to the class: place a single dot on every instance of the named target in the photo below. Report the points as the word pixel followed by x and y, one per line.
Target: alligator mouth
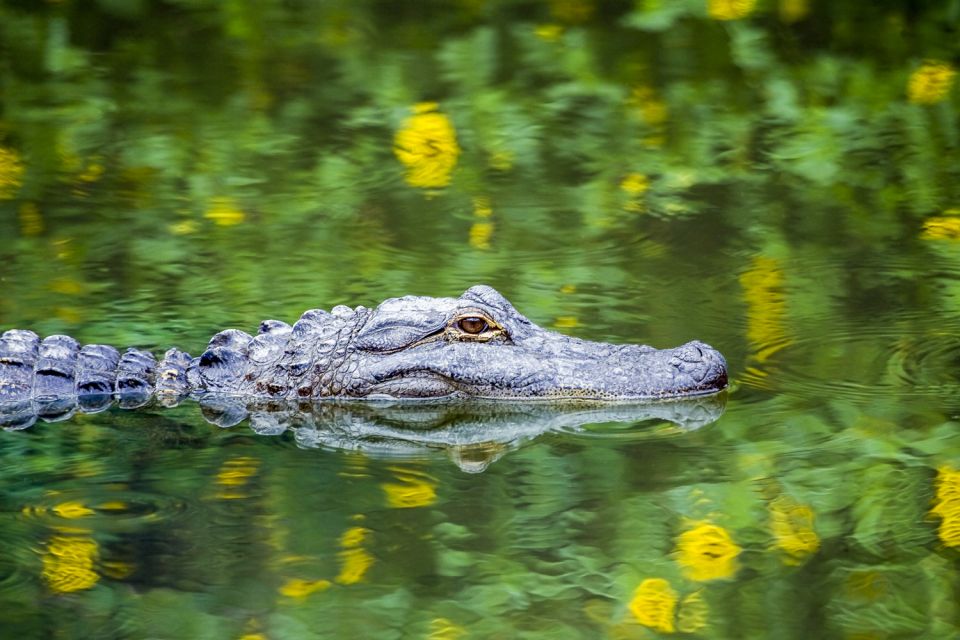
pixel 433 385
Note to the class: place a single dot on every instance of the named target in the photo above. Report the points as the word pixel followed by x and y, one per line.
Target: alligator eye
pixel 472 325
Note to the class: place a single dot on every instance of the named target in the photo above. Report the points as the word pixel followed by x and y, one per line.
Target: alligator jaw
pixel 549 367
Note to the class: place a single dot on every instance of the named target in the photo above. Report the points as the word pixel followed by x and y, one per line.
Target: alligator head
pixel 478 345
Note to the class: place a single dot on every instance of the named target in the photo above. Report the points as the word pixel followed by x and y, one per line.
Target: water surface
pixel 778 179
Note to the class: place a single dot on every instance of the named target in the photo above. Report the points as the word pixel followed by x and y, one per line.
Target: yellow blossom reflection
pixel 766 307
pixel 31 222
pixel 72 510
pixel 11 173
pixel 941 228
pixel 68 563
pixel 444 629
pixel 234 476
pixel 299 588
pixel 413 489
pixel 654 605
pixel 548 32
pixel 792 527
pixel 730 9
pixel 706 552
pixel 184 227
pixel 634 185
pixel 931 82
pixel 481 231
pixel 67 286
pixel 480 234
pixel 501 160
pixel 224 212
pixel 355 560
pixel 946 505
pixel 92 172
pixel 693 614
pixel 427 146
pixel 482 207
pixel 646 104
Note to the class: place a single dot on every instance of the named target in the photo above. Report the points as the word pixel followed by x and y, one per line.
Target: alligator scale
pixel 474 346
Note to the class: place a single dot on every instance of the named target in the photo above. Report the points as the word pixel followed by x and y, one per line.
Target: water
pixel 777 179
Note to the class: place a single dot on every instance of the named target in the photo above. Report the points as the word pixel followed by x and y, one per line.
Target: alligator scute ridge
pixel 473 346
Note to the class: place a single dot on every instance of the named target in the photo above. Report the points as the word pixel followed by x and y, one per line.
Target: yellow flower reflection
pixel 481 231
pixel 224 211
pixel 548 32
pixel 941 227
pixel 706 552
pixel 299 588
pixel 946 506
pixel 444 629
pixel 234 477
pixel 68 563
pixel 480 235
pixel 355 560
pixel 654 605
pixel 634 185
pixel 72 510
pixel 413 489
pixel 427 146
pixel 792 527
pixel 693 613
pixel 11 173
pixel 730 9
pixel 931 82
pixel 766 307
pixel 646 104
pixel 31 222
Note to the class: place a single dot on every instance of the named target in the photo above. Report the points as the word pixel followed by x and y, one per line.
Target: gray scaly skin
pixel 474 346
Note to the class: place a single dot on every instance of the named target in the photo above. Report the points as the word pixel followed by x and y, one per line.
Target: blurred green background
pixel 779 178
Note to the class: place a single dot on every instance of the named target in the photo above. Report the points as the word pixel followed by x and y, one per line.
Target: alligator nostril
pixel 691 353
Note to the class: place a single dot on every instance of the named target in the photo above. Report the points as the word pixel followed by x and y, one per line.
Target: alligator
pixel 473 346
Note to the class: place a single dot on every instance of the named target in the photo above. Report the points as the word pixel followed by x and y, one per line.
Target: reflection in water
pixel 947 505
pixel 473 433
pixel 68 563
pixel 592 527
pixel 706 552
pixel 781 183
pixel 654 604
pixel 792 527
pixel 427 147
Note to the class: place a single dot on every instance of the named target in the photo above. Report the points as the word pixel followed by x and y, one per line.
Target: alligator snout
pixel 702 364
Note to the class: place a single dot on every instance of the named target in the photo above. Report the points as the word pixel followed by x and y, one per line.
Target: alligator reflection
pixel 473 433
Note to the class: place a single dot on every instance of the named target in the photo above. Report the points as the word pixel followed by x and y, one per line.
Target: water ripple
pixel 861 361
pixel 121 510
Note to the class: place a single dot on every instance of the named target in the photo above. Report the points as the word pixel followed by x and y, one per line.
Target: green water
pixel 777 178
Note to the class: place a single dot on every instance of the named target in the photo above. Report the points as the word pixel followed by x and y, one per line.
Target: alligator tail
pixel 57 369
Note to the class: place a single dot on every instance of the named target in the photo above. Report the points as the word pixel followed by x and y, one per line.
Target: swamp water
pixel 778 179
